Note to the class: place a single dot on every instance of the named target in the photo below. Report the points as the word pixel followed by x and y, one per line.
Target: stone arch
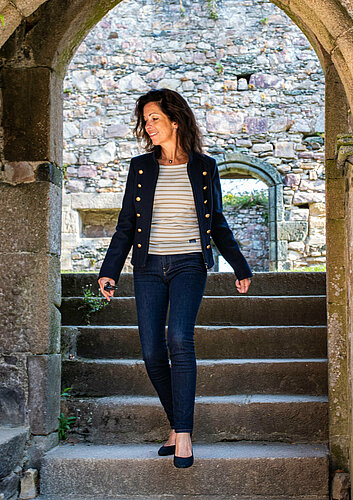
pixel 38 43
pixel 240 163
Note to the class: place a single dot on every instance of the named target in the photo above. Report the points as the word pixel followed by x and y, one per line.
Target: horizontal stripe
pixel 174 218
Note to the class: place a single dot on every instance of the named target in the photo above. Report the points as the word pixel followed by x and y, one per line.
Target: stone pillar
pixel 337 122
pixel 30 234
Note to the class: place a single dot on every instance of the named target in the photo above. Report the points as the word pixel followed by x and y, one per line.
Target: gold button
pixel 140 171
pixel 207 216
pixel 139 230
pixel 138 185
pixel 204 173
pixel 139 245
pixel 208 246
pixel 205 187
pixel 138 215
pixel 208 231
pixel 205 201
pixel 138 198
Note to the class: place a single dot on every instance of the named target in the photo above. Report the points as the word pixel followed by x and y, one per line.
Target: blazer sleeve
pixel 123 237
pixel 222 234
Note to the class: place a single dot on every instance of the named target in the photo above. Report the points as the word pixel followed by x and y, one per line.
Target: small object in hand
pixel 108 286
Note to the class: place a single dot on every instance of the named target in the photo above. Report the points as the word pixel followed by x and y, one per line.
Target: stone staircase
pixel 261 425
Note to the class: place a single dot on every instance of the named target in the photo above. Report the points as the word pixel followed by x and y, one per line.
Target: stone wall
pixel 250 229
pixel 252 79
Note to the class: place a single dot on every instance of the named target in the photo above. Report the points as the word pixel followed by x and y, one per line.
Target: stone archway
pixel 246 165
pixel 39 40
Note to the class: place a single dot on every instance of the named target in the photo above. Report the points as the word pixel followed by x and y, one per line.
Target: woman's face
pixel 157 124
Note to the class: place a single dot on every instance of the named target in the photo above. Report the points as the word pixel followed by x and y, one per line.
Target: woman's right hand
pixel 108 294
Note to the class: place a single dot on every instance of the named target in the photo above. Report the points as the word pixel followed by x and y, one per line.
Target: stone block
pixel 117 130
pixel 12 443
pixel 300 213
pixel 30 298
pixel 9 486
pixel 44 378
pixel 39 446
pixel 340 486
pixel 284 150
pixel 28 92
pixel 224 123
pixel 306 197
pixel 255 125
pixel 13 381
pixel 335 198
pixel 28 484
pixel 292 230
pixel 317 209
pixel 30 220
pixel 292 180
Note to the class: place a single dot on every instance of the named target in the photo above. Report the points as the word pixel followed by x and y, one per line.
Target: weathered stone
pixel 44 392
pixel 12 443
pixel 317 209
pixel 105 154
pixel 28 484
pixel 312 185
pixel 261 148
pixel 91 127
pixel 39 446
pixel 31 205
pixel 301 125
pixel 255 125
pixel 30 325
pixel 340 486
pixel 303 197
pixel 264 81
pixel 87 171
pixel 224 123
pixel 70 130
pixel 280 124
pixel 156 74
pixel 69 158
pixel 242 84
pixel 84 80
pixel 292 180
pixel 75 186
pixel 9 486
pixel 133 81
pixel 292 230
pixel 299 213
pixel 284 150
pixel 117 130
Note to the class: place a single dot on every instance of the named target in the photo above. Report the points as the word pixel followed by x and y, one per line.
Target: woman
pixel 171 208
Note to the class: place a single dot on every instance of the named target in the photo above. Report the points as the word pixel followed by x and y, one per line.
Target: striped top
pixel 174 227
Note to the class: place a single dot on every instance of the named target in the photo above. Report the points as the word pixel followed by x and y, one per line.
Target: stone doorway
pixel 37 44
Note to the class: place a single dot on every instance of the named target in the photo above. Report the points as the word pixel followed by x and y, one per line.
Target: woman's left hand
pixel 243 285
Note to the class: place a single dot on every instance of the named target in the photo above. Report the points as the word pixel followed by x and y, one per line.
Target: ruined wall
pixel 252 79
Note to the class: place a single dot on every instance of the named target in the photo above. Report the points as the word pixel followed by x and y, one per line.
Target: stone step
pixel 185 497
pixel 240 310
pixel 248 469
pixel 265 283
pixel 104 377
pixel 210 341
pixel 128 419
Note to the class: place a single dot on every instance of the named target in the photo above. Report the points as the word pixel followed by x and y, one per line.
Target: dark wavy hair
pixel 189 136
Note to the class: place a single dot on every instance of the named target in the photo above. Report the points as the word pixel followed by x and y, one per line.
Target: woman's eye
pixel 154 119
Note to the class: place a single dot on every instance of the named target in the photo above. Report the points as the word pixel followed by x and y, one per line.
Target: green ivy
pixel 92 302
pixel 247 200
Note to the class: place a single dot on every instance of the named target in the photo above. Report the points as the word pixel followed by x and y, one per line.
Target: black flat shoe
pixel 183 462
pixel 166 450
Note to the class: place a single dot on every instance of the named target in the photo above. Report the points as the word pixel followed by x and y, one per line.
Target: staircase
pixel 261 424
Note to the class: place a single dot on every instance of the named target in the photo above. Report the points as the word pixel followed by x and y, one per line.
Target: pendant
pixel 170 161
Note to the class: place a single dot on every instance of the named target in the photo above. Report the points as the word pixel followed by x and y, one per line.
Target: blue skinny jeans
pixel 177 281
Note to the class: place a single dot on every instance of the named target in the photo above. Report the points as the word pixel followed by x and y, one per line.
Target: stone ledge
pixel 12 442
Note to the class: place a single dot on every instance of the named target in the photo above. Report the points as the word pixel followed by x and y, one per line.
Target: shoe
pixel 166 450
pixel 183 462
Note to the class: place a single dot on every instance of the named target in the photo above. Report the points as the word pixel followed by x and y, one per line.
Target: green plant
pixel 2 20
pixel 264 20
pixel 309 269
pixel 182 8
pixel 65 165
pixel 246 199
pixel 65 393
pixel 212 9
pixel 65 425
pixel 219 67
pixel 92 302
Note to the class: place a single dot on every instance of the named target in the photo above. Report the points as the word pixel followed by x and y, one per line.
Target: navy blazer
pixel 134 221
